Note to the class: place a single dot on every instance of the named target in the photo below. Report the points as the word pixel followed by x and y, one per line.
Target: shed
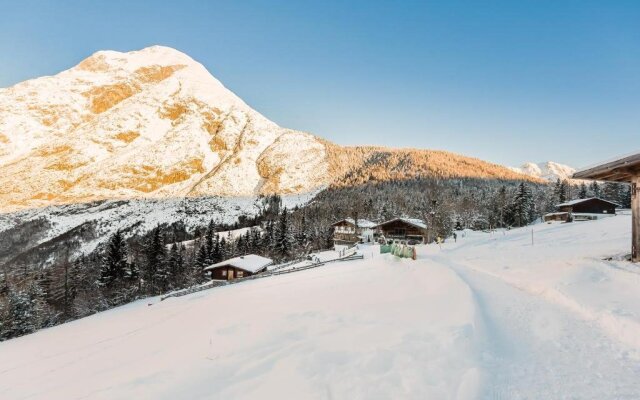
pixel 557 216
pixel 238 267
pixel 621 169
pixel 349 231
pixel 406 229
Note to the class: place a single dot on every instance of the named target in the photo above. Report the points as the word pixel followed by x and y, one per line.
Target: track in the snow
pixel 534 349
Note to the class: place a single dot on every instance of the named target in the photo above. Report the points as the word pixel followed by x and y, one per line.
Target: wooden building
pixel 349 231
pixel 583 210
pixel 410 230
pixel 238 267
pixel 593 205
pixel 557 216
pixel 623 169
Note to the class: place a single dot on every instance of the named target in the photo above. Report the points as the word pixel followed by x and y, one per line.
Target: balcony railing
pixel 346 237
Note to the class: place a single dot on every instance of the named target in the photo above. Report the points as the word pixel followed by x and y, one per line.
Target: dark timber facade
pixel 590 206
pixel 404 230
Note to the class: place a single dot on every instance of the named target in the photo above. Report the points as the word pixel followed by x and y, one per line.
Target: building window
pixel 224 272
pixel 240 274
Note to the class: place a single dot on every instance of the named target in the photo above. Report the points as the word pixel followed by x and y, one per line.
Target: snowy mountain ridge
pixel 549 170
pixel 145 124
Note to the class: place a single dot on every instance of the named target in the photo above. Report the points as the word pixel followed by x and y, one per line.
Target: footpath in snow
pixel 489 317
pixel 560 321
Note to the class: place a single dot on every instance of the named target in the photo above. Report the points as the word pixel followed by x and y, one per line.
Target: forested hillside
pixel 353 166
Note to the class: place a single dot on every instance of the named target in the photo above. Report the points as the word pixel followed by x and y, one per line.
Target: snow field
pixel 365 329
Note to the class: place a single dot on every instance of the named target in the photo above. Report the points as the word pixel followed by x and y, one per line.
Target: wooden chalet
pixel 410 230
pixel 592 205
pixel 349 231
pixel 622 169
pixel 583 210
pixel 238 267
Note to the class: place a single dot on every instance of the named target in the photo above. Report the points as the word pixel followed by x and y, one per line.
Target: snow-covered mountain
pixel 145 124
pixel 549 170
pixel 155 124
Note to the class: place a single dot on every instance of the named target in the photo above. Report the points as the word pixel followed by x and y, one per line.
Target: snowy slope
pixel 131 216
pixel 489 317
pixel 549 170
pixel 145 124
pixel 323 333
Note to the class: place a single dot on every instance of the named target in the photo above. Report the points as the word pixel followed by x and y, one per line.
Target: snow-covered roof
pixel 411 221
pixel 362 223
pixel 250 263
pixel 578 201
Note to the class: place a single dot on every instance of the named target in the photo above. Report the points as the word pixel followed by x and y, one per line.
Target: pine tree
pixel 503 205
pixel 217 250
pixel 255 241
pixel 523 209
pixel 582 194
pixel 266 242
pixel 557 191
pixel 595 189
pixel 114 266
pixel 224 249
pixel 248 249
pixel 202 260
pixel 563 190
pixel 155 269
pixel 301 236
pixel 611 192
pixel 239 246
pixel 20 315
pixel 283 246
pixel 26 311
pixel 209 240
pixel 132 273
pixel 176 266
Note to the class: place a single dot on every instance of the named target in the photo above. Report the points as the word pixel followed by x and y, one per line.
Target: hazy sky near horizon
pixel 505 81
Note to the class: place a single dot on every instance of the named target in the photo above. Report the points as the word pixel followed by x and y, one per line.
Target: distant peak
pixel 548 170
pixel 105 60
pixel 162 50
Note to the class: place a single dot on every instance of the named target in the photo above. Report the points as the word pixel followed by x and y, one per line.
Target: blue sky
pixel 505 81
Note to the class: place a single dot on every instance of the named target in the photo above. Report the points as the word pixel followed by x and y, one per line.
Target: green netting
pixel 398 250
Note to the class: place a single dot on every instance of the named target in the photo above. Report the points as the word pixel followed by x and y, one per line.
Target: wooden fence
pixel 276 271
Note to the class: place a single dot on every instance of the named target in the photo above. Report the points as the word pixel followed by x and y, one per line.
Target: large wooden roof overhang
pixel 621 170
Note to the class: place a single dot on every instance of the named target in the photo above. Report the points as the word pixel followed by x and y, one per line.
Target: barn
pixel 622 169
pixel 592 205
pixel 349 231
pixel 583 210
pixel 238 267
pixel 403 229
